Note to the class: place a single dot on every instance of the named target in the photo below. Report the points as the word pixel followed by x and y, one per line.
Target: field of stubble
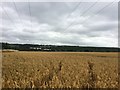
pixel 59 70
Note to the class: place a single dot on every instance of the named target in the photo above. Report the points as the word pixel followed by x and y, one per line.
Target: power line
pixel 94 14
pixel 74 9
pixel 89 8
pixel 17 11
pixel 99 11
pixel 30 13
pixel 82 14
pixel 8 16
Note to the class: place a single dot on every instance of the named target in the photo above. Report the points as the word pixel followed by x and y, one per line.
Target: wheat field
pixel 59 70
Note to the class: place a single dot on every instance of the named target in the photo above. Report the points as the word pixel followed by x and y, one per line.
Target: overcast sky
pixel 60 23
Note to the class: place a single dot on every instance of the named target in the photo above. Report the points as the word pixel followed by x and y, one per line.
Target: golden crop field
pixel 59 70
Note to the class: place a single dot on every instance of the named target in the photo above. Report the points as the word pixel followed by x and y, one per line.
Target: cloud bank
pixel 58 23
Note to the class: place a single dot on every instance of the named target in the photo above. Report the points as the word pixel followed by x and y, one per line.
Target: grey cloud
pixel 48 23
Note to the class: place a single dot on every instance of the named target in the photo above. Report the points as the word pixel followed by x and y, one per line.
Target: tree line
pixel 36 47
